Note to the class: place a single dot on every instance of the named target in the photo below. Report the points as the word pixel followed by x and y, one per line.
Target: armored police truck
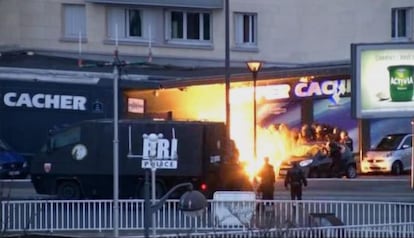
pixel 77 161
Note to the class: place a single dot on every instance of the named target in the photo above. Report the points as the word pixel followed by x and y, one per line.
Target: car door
pixel 324 165
pixel 406 152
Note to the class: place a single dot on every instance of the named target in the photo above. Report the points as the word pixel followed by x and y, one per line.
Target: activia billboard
pixel 382 80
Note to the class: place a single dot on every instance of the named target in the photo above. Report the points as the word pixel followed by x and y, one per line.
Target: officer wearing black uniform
pixel 336 156
pixel 295 178
pixel 267 185
pixel 346 140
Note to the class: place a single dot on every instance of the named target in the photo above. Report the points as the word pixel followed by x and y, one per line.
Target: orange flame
pixel 278 143
pixel 274 142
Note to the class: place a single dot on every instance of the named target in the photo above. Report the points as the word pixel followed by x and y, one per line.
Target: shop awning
pixel 207 4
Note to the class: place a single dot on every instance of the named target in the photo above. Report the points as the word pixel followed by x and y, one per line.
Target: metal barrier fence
pixel 97 215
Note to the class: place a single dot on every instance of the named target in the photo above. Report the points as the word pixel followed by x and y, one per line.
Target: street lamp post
pixel 227 68
pixel 254 67
pixel 116 154
pixel 117 68
pixel 192 202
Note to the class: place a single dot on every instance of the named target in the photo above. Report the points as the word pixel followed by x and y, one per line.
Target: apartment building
pixel 290 37
pixel 277 32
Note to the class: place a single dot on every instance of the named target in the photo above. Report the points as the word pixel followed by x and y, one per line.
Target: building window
pixel 401 19
pixel 74 21
pixel 134 23
pixel 124 23
pixel 246 29
pixel 188 26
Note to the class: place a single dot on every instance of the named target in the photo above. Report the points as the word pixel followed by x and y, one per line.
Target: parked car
pixel 391 155
pixel 12 164
pixel 313 159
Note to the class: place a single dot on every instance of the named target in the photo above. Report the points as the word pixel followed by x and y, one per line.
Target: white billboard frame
pixel 371 79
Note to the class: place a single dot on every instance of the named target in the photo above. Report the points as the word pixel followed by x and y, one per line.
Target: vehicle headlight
pixel 305 163
pixel 389 154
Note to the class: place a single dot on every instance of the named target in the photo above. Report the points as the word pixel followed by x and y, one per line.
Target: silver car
pixel 391 155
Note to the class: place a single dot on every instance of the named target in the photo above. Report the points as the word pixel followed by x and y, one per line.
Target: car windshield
pixel 63 138
pixel 389 142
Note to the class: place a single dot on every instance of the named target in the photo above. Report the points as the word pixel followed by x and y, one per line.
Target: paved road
pixel 19 189
pixel 363 188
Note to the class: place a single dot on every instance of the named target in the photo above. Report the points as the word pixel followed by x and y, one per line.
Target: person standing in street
pixel 267 182
pixel 295 178
pixel 346 140
pixel 335 153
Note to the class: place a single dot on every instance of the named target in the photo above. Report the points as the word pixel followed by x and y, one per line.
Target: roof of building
pixel 142 74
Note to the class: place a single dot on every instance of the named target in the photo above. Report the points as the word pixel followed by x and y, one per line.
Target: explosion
pixel 279 143
pixel 275 142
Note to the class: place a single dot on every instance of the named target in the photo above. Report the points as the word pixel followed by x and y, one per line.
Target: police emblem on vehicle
pixel 47 167
pixel 79 152
pixel 157 151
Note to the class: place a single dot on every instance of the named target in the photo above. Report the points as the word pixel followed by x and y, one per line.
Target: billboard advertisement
pixel 382 80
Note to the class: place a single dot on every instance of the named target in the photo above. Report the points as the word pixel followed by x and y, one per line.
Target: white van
pixel 391 155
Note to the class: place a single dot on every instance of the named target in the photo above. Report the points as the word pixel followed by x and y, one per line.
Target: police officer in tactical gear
pixel 346 140
pixel 267 185
pixel 335 152
pixel 295 178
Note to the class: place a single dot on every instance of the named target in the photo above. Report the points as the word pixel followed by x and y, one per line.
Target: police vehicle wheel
pixel 69 190
pixel 396 168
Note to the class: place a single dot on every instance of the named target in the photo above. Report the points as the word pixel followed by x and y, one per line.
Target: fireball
pixel 275 142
